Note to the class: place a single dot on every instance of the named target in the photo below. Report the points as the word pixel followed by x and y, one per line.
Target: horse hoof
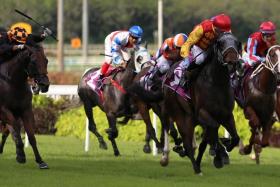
pixel 147 149
pixel 43 165
pixel 21 160
pixel 117 153
pixel 199 174
pixel 218 163
pixel 182 153
pixel 164 162
pixel 103 145
pixel 212 152
pixel 177 149
pixel 226 160
pixel 247 150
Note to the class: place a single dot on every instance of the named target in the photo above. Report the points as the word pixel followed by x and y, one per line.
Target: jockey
pixel 14 40
pixel 167 54
pixel 117 45
pixel 258 44
pixel 193 50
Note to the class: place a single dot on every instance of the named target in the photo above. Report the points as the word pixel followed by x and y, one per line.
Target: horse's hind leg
pixel 92 125
pixel 5 134
pixel 147 146
pixel 112 132
pixel 28 123
pixel 144 111
pixel 174 134
pixel 230 127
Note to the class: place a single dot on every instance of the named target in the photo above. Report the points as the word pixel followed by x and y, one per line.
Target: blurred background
pixel 100 17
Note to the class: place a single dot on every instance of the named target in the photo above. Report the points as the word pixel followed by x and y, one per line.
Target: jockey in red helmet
pixel 258 43
pixel 199 40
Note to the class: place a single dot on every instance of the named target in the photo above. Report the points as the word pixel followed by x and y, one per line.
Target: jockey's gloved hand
pixel 47 32
pixel 123 64
pixel 19 47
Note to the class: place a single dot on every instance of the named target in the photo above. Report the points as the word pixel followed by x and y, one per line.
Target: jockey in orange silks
pixel 167 54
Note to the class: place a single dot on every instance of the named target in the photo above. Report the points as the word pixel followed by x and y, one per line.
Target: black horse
pixel 115 99
pixel 260 88
pixel 211 104
pixel 16 96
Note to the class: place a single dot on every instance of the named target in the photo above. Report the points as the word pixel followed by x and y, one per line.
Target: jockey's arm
pixel 37 38
pixel 116 54
pixel 193 38
pixel 251 50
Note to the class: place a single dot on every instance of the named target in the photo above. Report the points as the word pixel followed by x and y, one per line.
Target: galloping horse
pixel 146 100
pixel 16 96
pixel 260 99
pixel 115 99
pixel 212 101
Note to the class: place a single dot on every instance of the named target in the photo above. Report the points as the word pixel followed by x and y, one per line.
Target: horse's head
pixel 37 65
pixel 142 58
pixel 228 49
pixel 273 58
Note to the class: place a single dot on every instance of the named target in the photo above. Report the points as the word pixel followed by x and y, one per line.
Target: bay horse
pixel 260 87
pixel 16 96
pixel 115 98
pixel 212 101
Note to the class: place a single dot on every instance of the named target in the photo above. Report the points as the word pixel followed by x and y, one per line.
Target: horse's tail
pixel 146 96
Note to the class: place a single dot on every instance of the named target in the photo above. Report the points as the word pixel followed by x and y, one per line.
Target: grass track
pixel 70 166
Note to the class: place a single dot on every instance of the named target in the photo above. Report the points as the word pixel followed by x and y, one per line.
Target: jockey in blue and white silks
pixel 118 46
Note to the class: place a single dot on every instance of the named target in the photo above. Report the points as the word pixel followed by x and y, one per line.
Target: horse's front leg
pixel 231 128
pixel 112 132
pixel 5 134
pixel 13 126
pixel 254 124
pixel 28 123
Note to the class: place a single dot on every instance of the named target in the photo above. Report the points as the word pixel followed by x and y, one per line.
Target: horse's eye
pixel 139 59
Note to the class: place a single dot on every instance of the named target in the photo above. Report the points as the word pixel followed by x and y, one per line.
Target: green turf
pixel 71 166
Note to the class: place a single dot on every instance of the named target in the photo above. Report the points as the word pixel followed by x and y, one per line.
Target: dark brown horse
pixel 146 100
pixel 115 100
pixel 16 96
pixel 211 104
pixel 260 100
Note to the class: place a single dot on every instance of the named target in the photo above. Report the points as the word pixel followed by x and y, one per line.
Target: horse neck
pixel 15 69
pixel 265 81
pixel 216 73
pixel 126 77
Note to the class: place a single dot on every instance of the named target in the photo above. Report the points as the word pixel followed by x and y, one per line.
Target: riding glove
pixel 20 46
pixel 47 32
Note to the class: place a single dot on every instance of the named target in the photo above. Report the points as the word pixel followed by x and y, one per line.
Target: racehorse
pixel 144 103
pixel 260 100
pixel 115 98
pixel 16 96
pixel 211 104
